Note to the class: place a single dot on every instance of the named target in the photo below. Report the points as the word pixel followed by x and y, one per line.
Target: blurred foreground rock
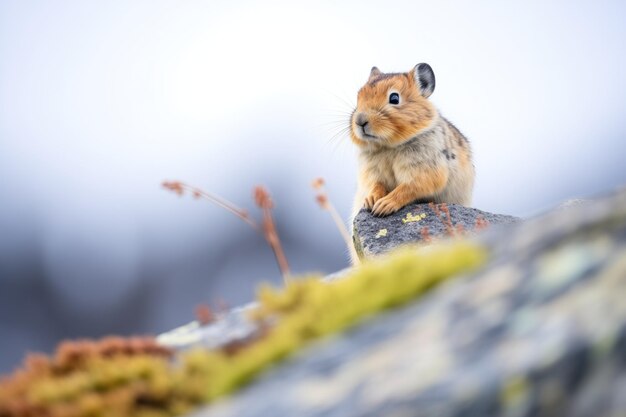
pixel 417 222
pixel 539 331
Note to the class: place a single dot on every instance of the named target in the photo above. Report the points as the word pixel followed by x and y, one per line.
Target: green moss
pixel 305 310
pixel 308 308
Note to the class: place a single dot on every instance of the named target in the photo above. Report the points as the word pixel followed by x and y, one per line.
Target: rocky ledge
pixel 417 223
pixel 540 330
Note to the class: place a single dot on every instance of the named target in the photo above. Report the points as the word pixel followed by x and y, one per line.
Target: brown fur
pixel 408 151
pixel 393 124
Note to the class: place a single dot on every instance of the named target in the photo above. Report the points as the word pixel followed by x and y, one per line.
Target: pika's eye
pixel 394 98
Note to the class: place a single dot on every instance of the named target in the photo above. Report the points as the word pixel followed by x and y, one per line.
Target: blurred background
pixel 102 101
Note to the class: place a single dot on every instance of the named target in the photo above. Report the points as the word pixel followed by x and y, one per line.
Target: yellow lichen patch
pixel 381 233
pixel 409 218
pixel 515 393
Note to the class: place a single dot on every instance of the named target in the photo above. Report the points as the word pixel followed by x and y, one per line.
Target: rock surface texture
pixel 416 222
pixel 539 331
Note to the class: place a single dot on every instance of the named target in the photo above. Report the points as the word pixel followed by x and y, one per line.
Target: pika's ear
pixel 425 79
pixel 375 72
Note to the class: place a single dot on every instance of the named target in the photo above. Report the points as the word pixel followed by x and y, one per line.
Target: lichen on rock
pixel 418 222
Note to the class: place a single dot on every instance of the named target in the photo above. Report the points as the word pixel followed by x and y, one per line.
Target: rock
pixel 376 235
pixel 230 326
pixel 539 331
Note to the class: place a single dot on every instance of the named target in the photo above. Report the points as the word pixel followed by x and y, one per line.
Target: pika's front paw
pixel 386 206
pixel 373 197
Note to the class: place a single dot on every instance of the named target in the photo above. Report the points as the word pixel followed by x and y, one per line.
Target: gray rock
pixel 539 331
pixel 376 235
pixel 229 327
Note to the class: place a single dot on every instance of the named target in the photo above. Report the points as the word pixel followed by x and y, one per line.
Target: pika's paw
pixel 386 206
pixel 373 197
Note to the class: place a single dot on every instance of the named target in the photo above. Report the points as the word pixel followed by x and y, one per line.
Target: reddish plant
pixel 434 207
pixel 70 354
pixel 481 224
pixel 104 391
pixel 180 187
pixel 425 232
pixel 204 314
pixel 262 199
pixel 447 220
pixel 442 211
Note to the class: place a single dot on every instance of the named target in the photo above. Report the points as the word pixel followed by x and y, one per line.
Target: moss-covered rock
pixel 539 331
pixel 128 377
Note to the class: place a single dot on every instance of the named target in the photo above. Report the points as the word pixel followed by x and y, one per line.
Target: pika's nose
pixel 361 119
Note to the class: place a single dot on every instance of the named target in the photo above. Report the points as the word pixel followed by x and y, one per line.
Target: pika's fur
pixel 407 150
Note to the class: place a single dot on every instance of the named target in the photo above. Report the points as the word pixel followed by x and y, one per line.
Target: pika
pixel 407 150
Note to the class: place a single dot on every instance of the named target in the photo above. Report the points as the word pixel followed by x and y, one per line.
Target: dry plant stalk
pixel 425 232
pixel 180 187
pixel 204 314
pixel 324 202
pixel 264 201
